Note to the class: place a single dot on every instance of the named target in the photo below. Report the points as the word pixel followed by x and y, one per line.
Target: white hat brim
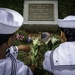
pixel 8 29
pixel 66 23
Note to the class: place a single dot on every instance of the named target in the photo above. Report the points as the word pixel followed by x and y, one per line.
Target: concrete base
pixel 40 28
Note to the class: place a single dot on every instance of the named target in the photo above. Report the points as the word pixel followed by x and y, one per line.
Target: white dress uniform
pixel 6 64
pixel 61 61
pixel 10 22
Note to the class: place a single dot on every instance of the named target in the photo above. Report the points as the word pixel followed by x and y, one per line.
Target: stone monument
pixel 40 13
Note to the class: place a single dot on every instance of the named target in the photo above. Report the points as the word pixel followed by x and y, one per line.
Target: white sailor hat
pixel 10 21
pixel 67 22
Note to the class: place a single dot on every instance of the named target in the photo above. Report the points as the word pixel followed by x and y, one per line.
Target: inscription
pixel 40 12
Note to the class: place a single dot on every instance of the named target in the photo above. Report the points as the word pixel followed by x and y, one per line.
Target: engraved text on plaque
pixel 41 12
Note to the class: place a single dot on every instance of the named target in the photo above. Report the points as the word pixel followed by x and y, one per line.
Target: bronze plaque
pixel 40 12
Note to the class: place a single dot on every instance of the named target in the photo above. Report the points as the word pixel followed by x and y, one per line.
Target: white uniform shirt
pixel 62 55
pixel 5 65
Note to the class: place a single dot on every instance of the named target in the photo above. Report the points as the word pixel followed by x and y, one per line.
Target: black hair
pixel 69 33
pixel 4 38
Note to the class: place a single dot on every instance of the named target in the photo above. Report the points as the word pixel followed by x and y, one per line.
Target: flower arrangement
pixel 38 49
pixel 34 50
pixel 55 41
pixel 51 41
pixel 34 58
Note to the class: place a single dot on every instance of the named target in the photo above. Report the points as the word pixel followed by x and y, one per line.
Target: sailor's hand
pixel 25 48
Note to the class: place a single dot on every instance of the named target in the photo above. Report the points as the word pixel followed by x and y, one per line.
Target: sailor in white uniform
pixel 61 61
pixel 10 22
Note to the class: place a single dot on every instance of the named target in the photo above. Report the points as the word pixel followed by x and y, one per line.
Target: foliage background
pixel 65 7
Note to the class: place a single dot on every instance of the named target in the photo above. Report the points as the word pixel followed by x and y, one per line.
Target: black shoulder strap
pixel 14 64
pixel 27 71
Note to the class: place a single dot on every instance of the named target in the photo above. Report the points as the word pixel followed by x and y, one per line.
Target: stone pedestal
pixel 40 13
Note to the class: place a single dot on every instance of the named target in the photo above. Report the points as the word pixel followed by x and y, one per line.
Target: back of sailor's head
pixel 67 25
pixel 10 22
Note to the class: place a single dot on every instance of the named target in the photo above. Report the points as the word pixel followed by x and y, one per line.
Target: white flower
pixel 35 41
pixel 53 39
pixel 34 49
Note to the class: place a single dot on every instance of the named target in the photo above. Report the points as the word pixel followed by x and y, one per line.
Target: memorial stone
pixel 41 13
